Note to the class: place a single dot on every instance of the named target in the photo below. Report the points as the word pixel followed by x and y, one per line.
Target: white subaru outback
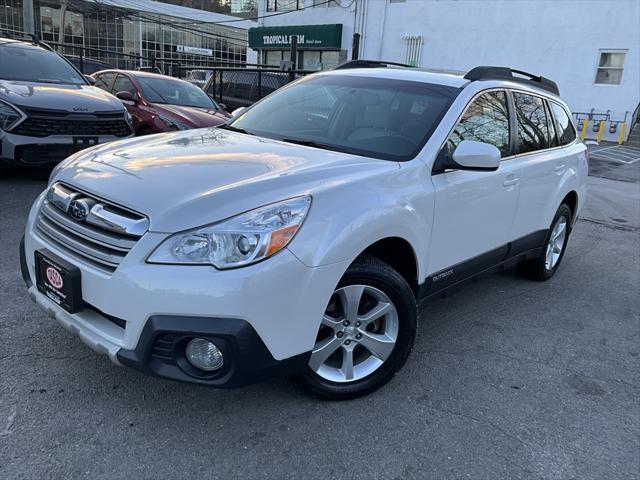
pixel 300 237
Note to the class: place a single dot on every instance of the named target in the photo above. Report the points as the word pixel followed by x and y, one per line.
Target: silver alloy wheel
pixel 359 339
pixel 556 243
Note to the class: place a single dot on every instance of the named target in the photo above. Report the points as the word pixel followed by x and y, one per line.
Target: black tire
pixel 536 269
pixel 368 270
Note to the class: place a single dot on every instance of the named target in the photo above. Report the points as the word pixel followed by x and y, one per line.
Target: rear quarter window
pixel 566 132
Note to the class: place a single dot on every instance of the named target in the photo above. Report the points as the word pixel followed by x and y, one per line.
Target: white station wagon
pixel 300 237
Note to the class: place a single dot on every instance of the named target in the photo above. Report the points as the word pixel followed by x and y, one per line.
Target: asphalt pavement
pixel 509 379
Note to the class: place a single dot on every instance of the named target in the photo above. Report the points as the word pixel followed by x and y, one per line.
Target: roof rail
pixel 505 73
pixel 26 37
pixel 370 64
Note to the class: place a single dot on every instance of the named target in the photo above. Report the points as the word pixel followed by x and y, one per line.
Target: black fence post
pixel 220 89
pixel 82 60
pixel 355 47
pixel 259 84
pixel 294 54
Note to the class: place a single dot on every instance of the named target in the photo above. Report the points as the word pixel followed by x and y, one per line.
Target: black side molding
pixel 455 277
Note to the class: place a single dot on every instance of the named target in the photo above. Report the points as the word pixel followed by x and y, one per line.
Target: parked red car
pixel 159 103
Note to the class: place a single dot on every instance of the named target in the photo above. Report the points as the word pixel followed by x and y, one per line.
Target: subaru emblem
pixel 78 210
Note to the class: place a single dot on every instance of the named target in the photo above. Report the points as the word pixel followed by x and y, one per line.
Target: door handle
pixel 511 182
pixel 560 168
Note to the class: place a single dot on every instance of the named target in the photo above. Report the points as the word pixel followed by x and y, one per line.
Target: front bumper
pixel 266 315
pixel 25 150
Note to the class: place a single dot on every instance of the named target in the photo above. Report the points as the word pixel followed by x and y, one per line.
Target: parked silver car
pixel 49 110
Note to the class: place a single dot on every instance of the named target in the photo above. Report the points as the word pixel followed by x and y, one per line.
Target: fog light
pixel 204 355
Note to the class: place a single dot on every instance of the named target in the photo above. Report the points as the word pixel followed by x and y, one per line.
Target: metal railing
pixel 85 57
pixel 241 87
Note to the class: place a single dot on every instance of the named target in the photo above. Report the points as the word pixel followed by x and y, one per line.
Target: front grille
pixel 44 127
pixel 43 123
pixel 102 238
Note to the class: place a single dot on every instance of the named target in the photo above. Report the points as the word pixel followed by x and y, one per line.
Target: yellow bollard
pixel 600 131
pixel 622 129
pixel 583 134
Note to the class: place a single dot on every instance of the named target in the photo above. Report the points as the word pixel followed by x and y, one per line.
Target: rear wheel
pixel 366 333
pixel 545 266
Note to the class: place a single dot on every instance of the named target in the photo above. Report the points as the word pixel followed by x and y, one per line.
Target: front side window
pixel 533 130
pixel 485 120
pixel 104 81
pixel 34 64
pixel 375 117
pixel 566 132
pixel 610 65
pixel 174 92
pixel 123 84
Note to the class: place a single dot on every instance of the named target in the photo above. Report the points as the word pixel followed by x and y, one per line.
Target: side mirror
pixel 472 155
pixel 223 106
pixel 238 111
pixel 125 96
pixel 90 79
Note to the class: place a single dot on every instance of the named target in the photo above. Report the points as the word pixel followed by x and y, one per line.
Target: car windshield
pixel 381 118
pixel 34 64
pixel 173 92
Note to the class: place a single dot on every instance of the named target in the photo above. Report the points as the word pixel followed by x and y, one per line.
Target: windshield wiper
pixel 310 143
pixel 235 129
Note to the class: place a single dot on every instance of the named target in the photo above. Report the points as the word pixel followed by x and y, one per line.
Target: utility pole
pixel 28 24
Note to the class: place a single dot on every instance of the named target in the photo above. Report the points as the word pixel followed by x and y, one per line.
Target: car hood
pixel 50 96
pixel 197 117
pixel 187 179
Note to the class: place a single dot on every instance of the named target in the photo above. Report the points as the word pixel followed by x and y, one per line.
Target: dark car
pixel 48 109
pixel 159 103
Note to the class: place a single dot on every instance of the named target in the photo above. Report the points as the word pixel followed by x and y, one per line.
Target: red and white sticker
pixel 54 277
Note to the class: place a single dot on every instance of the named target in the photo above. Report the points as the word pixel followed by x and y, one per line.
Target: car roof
pixel 451 78
pixel 411 74
pixel 140 74
pixel 22 43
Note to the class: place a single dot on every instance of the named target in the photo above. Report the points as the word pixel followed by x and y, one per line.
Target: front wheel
pixel 366 333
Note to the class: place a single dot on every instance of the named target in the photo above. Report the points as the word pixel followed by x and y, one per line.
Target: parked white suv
pixel 300 237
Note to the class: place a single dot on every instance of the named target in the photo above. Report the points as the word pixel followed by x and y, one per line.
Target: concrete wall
pixel 560 39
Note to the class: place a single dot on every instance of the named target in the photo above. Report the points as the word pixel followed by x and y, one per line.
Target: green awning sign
pixel 309 37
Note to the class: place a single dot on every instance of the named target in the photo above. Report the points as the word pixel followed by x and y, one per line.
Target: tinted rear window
pixel 533 130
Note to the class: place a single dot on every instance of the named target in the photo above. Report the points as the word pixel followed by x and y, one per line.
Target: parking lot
pixel 508 379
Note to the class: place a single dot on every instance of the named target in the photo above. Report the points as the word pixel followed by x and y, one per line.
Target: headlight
pixel 128 118
pixel 178 125
pixel 10 116
pixel 237 241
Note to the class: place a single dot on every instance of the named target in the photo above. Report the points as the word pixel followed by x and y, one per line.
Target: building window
pixel 284 5
pixel 326 3
pixel 610 64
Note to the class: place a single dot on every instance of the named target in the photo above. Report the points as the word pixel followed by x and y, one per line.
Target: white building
pixel 589 47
